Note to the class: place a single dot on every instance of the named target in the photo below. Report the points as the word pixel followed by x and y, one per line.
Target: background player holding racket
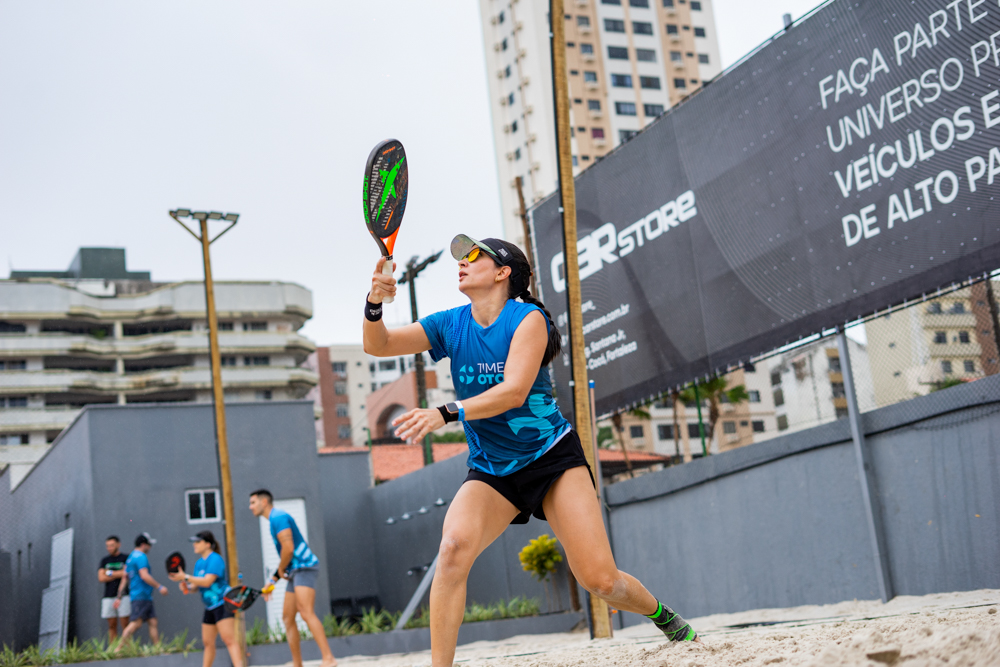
pixel 209 578
pixel 300 567
pixel 524 458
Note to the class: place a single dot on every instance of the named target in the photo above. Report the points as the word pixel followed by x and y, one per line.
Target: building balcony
pixel 135 347
pixel 948 320
pixel 239 377
pixel 18 420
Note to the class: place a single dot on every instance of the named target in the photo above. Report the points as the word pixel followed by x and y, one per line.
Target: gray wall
pixel 139 460
pixel 780 523
pixel 403 545
pixel 350 539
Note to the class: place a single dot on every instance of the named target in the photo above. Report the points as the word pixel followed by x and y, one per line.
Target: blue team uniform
pixel 137 588
pixel 302 557
pixel 212 564
pixel 505 443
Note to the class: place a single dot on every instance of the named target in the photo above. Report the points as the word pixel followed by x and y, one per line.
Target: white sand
pixel 954 629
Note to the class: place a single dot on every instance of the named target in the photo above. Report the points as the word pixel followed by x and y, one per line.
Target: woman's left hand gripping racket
pixel 386 183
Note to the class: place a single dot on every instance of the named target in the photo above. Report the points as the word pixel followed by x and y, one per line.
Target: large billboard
pixel 849 165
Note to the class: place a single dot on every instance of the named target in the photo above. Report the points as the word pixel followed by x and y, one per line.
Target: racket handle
pixel 387 270
pixel 268 588
pixel 184 588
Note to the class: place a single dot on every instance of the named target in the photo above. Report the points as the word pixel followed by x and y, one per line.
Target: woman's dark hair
pixel 517 288
pixel 207 536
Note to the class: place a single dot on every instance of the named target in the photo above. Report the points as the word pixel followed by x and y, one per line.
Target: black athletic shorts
pixel 213 616
pixel 526 488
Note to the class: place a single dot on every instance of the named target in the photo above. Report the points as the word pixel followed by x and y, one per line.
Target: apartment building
pixel 628 62
pixel 97 333
pixel 941 340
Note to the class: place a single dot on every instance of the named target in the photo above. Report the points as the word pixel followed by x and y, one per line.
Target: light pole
pixel 222 443
pixel 413 269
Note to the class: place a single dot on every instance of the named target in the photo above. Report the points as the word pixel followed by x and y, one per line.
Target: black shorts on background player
pixel 526 488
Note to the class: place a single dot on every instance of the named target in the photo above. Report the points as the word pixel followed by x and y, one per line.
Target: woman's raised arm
pixel 380 341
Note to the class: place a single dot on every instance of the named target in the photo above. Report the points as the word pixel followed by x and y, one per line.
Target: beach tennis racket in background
pixel 385 188
pixel 240 597
pixel 175 563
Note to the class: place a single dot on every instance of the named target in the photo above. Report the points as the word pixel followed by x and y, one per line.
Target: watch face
pixel 451 407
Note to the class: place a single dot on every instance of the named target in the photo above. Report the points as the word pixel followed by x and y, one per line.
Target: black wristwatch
pixel 456 408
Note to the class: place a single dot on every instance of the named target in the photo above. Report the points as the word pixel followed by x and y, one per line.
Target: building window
pixel 583 21
pixel 676 57
pixel 340 388
pixel 585 158
pixel 626 135
pixel 754 396
pixel 702 58
pixel 694 431
pixel 614 25
pixel 695 6
pixel 946 367
pixel 510 99
pixel 343 410
pixel 758 426
pixel 228 361
pixel 940 337
pixel 680 83
pixel 838 389
pixel 387 365
pixel 576 161
pixel 344 432
pixel 617 53
pixel 650 83
pixel 699 32
pixel 775 377
pixel 255 326
pixel 963 336
pixel 782 422
pixel 642 4
pixel 668 3
pixel 593 105
pixel 729 427
pixel 625 108
pixel 517 153
pixel 256 361
pixel 340 368
pixel 264 395
pixel 841 413
pixel 957 308
pixel 642 27
pixel 934 307
pixel 779 396
pixel 500 17
pixel 652 110
pixel 835 364
pixel 589 77
pixel 14 402
pixel 636 431
pixel 14 439
pixel 970 366
pixel 611 2
pixel 503 44
pixel 665 431
pixel 587 49
pixel 13 365
pixel 202 505
pixel 621 80
pixel 225 326
pixel 506 72
pixel 11 327
pixel 513 126
pixel 597 133
pixel 671 29
pixel 645 55
pixel 374 386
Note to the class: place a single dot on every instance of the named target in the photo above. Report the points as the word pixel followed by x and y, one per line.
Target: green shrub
pixel 541 556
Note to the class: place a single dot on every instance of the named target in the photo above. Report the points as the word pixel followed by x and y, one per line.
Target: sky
pixel 113 113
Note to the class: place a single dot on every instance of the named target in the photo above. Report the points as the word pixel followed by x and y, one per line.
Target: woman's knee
pixel 455 555
pixel 603 584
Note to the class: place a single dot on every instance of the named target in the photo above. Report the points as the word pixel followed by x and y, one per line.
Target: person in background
pixel 209 577
pixel 140 585
pixel 110 573
pixel 300 567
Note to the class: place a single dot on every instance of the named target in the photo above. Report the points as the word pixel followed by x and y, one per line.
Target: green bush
pixel 541 556
pixel 93 650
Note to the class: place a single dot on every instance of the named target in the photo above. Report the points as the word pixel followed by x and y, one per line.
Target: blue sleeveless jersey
pixel 509 441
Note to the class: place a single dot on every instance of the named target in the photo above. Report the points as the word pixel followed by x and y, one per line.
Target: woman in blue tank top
pixel 524 457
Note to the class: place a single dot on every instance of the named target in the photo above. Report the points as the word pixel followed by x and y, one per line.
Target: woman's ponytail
pixel 517 288
pixel 555 338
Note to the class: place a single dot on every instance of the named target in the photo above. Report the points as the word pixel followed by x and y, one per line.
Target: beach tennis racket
pixel 175 563
pixel 385 188
pixel 269 586
pixel 240 598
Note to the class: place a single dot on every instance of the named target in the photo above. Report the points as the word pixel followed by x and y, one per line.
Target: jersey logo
pixel 542 410
pixel 486 373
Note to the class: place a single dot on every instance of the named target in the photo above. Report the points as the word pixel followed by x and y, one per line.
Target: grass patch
pixel 93 650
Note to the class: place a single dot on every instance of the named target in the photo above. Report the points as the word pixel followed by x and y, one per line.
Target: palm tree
pixel 616 419
pixel 715 390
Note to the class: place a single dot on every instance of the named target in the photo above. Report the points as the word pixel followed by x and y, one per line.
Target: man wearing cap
pixel 140 587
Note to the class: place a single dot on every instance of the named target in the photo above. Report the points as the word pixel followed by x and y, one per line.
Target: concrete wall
pixel 781 523
pixel 124 469
pixel 411 543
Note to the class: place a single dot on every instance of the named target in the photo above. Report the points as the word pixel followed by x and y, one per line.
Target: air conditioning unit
pixel 510 155
pixel 503 101
pixel 506 129
pixel 595 113
pixel 522 53
pixel 593 85
pixel 678 64
pixel 525 80
pixel 518 26
pixel 675 37
pixel 601 141
pixel 493 20
pixel 585 29
pixel 581 3
pixel 532 138
pixel 499 73
pixel 589 57
pixel 496 46
pixel 528 109
pixel 535 166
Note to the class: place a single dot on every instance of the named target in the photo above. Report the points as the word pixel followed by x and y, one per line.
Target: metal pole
pixel 222 443
pixel 528 250
pixel 567 191
pixel 413 270
pixel 866 475
pixel 701 424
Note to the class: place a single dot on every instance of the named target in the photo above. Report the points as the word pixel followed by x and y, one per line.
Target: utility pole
pixel 600 619
pixel 222 442
pixel 413 269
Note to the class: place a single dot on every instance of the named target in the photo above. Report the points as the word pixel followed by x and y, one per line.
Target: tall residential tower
pixel 628 60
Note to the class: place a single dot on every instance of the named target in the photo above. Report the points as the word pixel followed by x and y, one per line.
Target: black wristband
pixel 373 311
pixel 449 417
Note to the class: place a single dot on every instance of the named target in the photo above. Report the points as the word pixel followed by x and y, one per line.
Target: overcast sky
pixel 112 113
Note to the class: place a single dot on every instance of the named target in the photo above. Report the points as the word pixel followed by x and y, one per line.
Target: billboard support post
pixel 601 627
pixel 866 475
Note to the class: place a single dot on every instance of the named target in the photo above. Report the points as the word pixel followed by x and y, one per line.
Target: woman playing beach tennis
pixel 524 457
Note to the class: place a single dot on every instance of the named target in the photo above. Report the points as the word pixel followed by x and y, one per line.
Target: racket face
pixel 385 187
pixel 241 597
pixel 175 562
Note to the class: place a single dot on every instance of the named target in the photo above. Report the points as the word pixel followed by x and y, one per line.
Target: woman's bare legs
pixel 477 516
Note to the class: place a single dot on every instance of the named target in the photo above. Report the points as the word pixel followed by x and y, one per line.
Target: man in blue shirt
pixel 140 584
pixel 300 567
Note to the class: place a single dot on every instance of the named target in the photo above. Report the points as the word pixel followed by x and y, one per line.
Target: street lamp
pixel 202 218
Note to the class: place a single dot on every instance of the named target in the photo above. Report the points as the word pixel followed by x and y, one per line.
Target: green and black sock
pixel 673 626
